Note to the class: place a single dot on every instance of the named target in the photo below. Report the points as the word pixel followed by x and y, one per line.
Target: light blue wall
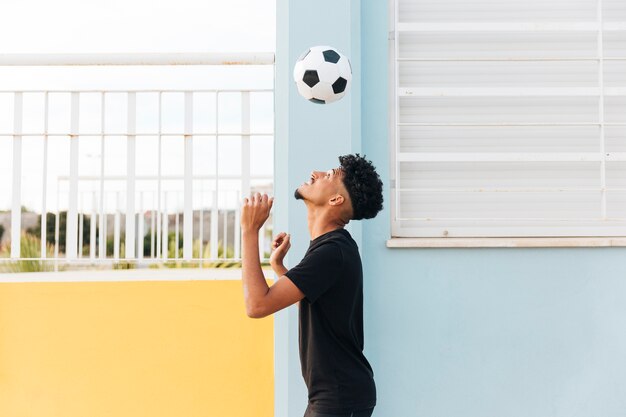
pixel 449 332
pixel 484 332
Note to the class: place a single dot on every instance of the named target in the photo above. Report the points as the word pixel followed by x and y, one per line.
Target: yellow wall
pixel 131 349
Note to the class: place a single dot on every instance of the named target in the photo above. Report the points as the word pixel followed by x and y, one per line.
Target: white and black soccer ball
pixel 322 74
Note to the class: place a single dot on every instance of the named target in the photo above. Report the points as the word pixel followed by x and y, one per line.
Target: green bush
pixel 50 229
pixel 30 247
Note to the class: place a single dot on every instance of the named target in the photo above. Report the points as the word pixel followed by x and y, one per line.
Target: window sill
pixel 505 242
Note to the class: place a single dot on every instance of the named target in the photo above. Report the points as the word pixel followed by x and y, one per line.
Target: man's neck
pixel 320 224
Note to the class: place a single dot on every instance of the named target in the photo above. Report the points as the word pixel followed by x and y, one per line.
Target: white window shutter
pixel 509 118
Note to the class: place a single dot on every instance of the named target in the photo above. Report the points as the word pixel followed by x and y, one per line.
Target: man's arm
pixel 279 269
pixel 261 300
pixel 254 285
pixel 280 295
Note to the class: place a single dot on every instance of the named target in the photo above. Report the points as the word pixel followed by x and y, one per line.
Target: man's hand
pixel 260 299
pixel 280 246
pixel 255 211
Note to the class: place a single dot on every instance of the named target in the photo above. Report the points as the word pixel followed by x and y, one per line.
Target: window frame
pixel 399 239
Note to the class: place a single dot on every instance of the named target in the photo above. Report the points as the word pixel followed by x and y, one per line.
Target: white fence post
pixel 245 159
pixel 225 233
pixel 214 225
pixel 140 227
pixel 92 228
pixel 261 243
pixel 16 209
pixel 44 182
pixel 152 233
pixel 176 227
pixel 71 231
pixel 103 223
pixel 81 219
pixel 188 187
pixel 116 230
pixel 159 219
pixel 201 226
pixel 130 177
pixel 165 219
pixel 237 254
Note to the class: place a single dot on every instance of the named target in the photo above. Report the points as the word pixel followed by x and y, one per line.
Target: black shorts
pixel 361 413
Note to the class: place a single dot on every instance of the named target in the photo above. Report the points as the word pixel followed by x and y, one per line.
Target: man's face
pixel 322 186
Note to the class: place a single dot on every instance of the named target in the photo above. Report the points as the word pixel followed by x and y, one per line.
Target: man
pixel 327 283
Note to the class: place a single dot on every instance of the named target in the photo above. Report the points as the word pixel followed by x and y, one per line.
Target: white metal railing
pixel 144 207
pixel 236 58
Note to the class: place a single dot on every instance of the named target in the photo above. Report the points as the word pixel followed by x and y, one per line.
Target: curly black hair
pixel 364 186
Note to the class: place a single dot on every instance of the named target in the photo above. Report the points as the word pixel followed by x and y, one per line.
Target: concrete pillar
pixel 308 136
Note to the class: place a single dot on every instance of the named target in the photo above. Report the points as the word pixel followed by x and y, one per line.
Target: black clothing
pixel 338 376
pixel 361 413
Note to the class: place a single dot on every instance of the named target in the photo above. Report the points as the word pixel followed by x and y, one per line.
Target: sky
pixel 137 26
pixel 134 26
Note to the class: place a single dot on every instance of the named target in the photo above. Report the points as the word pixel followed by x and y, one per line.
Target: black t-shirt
pixel 338 376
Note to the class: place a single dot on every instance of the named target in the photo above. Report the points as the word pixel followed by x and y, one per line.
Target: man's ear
pixel 336 200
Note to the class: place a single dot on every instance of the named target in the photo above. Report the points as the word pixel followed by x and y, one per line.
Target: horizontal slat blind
pixel 509 118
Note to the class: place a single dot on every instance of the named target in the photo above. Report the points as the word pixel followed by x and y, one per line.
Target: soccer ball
pixel 322 74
